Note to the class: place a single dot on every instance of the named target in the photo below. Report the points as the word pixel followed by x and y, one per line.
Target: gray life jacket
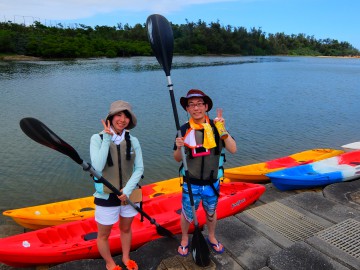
pixel 203 170
pixel 120 163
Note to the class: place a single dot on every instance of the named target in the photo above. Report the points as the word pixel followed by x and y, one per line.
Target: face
pixel 120 121
pixel 197 109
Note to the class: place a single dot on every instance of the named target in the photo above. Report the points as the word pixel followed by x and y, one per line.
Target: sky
pixel 334 19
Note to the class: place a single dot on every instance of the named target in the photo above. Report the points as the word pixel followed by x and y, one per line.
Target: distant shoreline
pixel 356 56
pixel 33 58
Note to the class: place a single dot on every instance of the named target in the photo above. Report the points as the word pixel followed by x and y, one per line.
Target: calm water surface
pixel 274 106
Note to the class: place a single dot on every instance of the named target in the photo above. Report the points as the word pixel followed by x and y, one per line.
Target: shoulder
pixel 134 139
pixel 186 125
pixel 101 136
pixel 96 136
pixel 184 128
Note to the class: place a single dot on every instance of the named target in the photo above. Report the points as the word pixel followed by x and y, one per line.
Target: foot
pixel 117 267
pixel 218 248
pixel 131 265
pixel 183 250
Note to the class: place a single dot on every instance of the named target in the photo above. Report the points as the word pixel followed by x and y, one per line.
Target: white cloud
pixel 79 9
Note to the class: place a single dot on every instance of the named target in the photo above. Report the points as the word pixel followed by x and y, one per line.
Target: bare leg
pixel 211 224
pixel 184 234
pixel 126 236
pixel 103 245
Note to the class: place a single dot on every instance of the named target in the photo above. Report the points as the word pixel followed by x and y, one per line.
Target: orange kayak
pixel 45 215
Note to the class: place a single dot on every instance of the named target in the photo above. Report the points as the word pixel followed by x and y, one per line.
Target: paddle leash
pixel 162 43
pixel 41 134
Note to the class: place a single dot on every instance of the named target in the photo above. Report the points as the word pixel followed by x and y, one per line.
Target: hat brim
pixel 207 100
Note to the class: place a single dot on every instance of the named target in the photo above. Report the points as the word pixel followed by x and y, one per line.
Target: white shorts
pixel 110 215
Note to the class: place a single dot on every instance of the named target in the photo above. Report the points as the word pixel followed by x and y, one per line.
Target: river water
pixel 273 106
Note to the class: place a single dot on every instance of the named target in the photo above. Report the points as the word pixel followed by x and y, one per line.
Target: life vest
pixel 120 163
pixel 207 169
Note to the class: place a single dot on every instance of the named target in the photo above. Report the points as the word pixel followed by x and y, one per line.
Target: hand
pixel 219 122
pixel 107 127
pixel 122 197
pixel 219 117
pixel 179 141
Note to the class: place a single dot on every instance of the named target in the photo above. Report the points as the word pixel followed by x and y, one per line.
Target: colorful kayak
pixel 77 240
pixel 351 146
pixel 45 215
pixel 341 168
pixel 257 172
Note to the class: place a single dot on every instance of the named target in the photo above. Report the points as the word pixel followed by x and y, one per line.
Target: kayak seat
pixel 43 238
pixel 90 236
pixel 49 236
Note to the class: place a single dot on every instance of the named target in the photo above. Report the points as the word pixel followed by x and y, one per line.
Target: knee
pixel 210 218
pixel 126 231
pixel 102 237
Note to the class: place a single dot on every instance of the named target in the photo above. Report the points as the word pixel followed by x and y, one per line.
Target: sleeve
pixel 99 150
pixel 138 168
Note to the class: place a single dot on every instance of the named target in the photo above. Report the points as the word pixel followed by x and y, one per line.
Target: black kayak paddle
pixel 161 39
pixel 41 134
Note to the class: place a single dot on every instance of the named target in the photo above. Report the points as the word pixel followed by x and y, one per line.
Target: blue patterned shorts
pixel 200 193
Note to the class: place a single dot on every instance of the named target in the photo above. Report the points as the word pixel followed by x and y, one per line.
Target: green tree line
pixel 189 39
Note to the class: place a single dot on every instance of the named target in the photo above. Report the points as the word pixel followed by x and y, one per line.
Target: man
pixel 204 151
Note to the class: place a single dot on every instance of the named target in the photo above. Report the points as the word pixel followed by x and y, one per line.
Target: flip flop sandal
pixel 215 247
pixel 131 265
pixel 183 250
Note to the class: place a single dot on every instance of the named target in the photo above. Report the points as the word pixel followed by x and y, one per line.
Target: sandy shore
pixel 19 58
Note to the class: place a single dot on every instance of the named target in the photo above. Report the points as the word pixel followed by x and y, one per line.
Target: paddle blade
pixel 40 133
pixel 164 232
pixel 161 39
pixel 199 248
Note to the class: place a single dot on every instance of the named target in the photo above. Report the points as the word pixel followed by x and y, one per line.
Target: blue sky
pixel 334 19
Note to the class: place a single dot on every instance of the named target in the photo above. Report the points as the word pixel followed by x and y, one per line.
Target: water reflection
pixel 134 64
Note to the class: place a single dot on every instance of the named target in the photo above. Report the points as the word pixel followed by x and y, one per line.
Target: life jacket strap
pixel 128 145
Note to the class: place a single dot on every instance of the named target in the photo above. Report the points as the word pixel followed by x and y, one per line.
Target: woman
pixel 117 156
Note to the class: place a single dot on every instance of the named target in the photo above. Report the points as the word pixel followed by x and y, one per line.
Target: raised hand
pixel 220 124
pixel 107 127
pixel 219 117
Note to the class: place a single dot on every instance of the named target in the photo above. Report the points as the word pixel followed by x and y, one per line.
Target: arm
pixel 99 150
pixel 230 144
pixel 138 168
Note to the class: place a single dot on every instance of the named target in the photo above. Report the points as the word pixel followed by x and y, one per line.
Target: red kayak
pixel 77 240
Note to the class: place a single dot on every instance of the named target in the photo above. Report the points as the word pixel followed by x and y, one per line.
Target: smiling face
pixel 197 109
pixel 120 121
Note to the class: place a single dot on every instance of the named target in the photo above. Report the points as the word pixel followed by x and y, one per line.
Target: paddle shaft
pixel 88 167
pixel 162 43
pixel 182 149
